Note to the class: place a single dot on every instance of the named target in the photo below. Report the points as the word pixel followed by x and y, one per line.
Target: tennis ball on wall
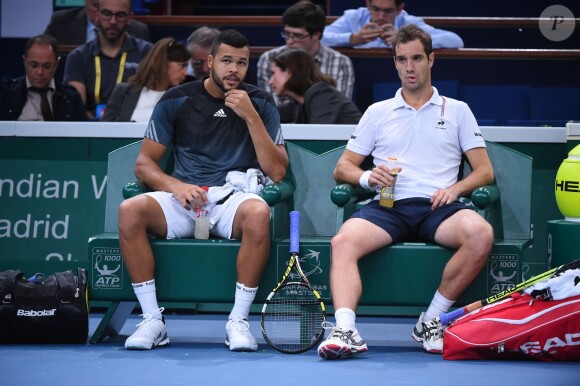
pixel 568 186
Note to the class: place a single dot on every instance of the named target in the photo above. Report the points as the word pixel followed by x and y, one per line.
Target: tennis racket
pixel 448 317
pixel 293 315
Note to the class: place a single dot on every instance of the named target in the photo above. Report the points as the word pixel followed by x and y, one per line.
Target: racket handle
pixel 448 317
pixel 294 231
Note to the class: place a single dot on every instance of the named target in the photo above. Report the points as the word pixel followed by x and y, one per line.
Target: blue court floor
pixel 198 356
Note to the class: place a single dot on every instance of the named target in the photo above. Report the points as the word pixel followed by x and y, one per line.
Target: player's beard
pixel 220 83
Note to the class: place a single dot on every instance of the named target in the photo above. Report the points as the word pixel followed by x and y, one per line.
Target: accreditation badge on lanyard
pixel 98 76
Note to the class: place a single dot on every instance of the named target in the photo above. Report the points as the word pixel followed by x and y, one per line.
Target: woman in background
pixel 165 66
pixel 295 74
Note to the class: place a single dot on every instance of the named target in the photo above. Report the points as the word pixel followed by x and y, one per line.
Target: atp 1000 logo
pixel 106 268
pixel 503 273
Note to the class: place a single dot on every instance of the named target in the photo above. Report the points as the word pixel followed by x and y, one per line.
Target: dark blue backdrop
pixel 558 73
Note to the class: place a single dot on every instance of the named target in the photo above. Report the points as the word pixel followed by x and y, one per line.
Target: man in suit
pixel 76 26
pixel 38 96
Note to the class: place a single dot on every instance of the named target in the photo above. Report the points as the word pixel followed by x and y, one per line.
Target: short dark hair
pixel 130 4
pixel 45 40
pixel 231 37
pixel 307 15
pixel 409 33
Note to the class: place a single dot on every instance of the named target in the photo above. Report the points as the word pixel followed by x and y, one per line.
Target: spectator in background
pixel 37 96
pixel 199 45
pixel 303 26
pixel 164 66
pixel 296 75
pixel 375 25
pixel 112 57
pixel 76 26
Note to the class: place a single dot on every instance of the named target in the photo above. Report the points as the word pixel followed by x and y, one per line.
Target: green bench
pixel 202 272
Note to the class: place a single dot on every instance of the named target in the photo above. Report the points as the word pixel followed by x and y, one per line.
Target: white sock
pixel 345 318
pixel 438 305
pixel 244 299
pixel 147 297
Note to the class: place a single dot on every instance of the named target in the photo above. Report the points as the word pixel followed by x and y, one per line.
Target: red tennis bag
pixel 520 327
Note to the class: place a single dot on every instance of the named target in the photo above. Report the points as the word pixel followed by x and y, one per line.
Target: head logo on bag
pixel 32 313
pixel 552 343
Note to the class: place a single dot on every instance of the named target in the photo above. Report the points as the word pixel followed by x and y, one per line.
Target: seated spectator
pixel 375 25
pixel 303 26
pixel 164 66
pixel 199 45
pixel 296 75
pixel 76 26
pixel 94 68
pixel 37 96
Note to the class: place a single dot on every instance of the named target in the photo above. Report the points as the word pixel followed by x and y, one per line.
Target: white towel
pixel 565 285
pixel 252 181
pixel 237 183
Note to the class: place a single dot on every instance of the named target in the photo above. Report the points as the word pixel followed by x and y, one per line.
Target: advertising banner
pixel 48 210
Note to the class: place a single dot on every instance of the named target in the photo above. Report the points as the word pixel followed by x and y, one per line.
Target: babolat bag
pixel 44 309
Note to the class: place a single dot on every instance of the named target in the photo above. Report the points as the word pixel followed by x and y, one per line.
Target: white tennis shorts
pixel 181 221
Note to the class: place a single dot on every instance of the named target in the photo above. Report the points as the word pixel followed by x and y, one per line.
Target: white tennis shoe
pixel 238 335
pixel 341 344
pixel 429 334
pixel 151 332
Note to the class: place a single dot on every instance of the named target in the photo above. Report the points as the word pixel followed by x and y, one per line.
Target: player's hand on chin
pixel 239 101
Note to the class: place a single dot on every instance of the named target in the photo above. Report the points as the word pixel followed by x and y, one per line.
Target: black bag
pixel 52 309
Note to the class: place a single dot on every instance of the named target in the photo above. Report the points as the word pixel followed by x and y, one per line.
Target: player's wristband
pixel 364 180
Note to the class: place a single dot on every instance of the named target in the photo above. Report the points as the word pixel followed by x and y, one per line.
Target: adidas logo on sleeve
pixel 220 113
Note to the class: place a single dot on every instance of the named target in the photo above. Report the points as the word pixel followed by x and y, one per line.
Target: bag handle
pixel 7 280
pixel 66 283
pixel 82 278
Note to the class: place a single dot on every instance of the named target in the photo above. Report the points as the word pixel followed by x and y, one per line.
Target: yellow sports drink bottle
pixel 387 197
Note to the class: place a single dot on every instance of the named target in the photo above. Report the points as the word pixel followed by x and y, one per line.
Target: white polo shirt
pixel 428 143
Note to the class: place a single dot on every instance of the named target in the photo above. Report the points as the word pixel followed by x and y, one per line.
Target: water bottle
pixel 387 197
pixel 202 221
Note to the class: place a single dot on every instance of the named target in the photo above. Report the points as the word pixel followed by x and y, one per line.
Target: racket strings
pixel 293 318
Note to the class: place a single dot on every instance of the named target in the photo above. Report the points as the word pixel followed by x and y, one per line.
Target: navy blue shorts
pixel 411 219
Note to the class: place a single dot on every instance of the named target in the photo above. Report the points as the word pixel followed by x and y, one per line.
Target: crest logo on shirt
pixel 440 124
pixel 220 113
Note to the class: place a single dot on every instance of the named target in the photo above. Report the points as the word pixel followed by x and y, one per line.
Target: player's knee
pixel 128 215
pixel 482 237
pixel 256 217
pixel 339 244
pixel 336 242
